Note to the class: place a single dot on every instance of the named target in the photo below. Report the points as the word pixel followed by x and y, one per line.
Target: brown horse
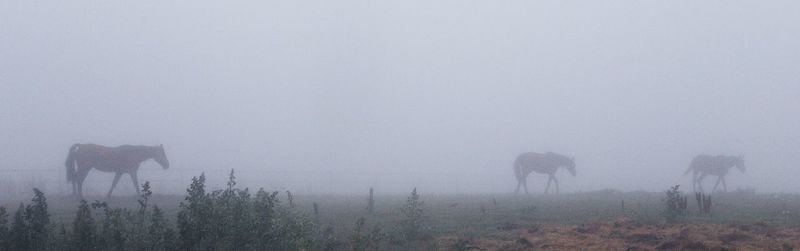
pixel 121 159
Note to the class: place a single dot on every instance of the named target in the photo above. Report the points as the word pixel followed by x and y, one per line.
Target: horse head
pixel 161 157
pixel 571 166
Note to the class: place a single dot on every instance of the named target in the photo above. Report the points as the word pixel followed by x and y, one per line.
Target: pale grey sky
pixel 394 94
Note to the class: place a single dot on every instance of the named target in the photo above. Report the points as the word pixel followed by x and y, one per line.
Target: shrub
pixel 327 240
pixel 357 241
pixel 363 240
pixel 31 227
pixel 38 220
pixel 19 239
pixel 3 227
pixel 161 235
pixel 232 219
pixel 674 204
pixel 411 225
pixel 229 219
pixel 194 214
pixel 84 232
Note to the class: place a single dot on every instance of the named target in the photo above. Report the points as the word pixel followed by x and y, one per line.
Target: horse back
pixel 709 164
pixel 99 155
pixel 94 149
pixel 528 157
pixel 537 161
pixel 702 160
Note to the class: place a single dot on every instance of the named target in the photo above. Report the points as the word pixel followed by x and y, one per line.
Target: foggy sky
pixel 338 96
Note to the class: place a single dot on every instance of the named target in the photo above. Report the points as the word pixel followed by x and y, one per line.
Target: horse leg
pixel 114 184
pixel 80 188
pixel 556 181
pixel 694 182
pixel 724 186
pixel 700 182
pixel 547 189
pixel 717 184
pixel 525 185
pixel 135 182
pixel 519 183
pixel 78 182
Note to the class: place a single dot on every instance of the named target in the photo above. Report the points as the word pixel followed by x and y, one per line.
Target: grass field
pixel 508 221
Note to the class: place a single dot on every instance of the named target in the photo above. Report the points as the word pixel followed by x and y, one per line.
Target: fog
pixel 340 96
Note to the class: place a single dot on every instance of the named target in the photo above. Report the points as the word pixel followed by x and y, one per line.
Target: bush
pixel 412 225
pixel 674 204
pixel 327 240
pixel 84 231
pixel 229 219
pixel 31 227
pixel 3 227
pixel 361 239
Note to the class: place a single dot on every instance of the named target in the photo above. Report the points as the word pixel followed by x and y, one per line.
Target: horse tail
pixel 70 163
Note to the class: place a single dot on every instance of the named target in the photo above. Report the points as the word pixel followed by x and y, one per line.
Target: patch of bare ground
pixel 625 234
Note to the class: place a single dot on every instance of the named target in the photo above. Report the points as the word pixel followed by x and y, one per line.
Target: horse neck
pixel 142 153
pixel 559 161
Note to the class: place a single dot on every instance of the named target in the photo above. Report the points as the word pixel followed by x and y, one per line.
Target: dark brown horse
pixel 120 160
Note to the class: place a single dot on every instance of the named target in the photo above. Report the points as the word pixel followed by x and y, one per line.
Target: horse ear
pixel 161 145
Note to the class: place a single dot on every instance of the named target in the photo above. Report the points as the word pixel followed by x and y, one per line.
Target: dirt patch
pixel 643 238
pixel 625 234
pixel 508 226
pixel 735 236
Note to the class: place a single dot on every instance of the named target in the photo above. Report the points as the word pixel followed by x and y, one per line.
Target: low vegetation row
pixel 227 219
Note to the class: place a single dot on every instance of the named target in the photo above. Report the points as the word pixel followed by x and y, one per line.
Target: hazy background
pixel 338 96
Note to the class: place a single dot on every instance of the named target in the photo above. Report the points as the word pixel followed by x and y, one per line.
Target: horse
pixel 713 165
pixel 547 163
pixel 120 160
